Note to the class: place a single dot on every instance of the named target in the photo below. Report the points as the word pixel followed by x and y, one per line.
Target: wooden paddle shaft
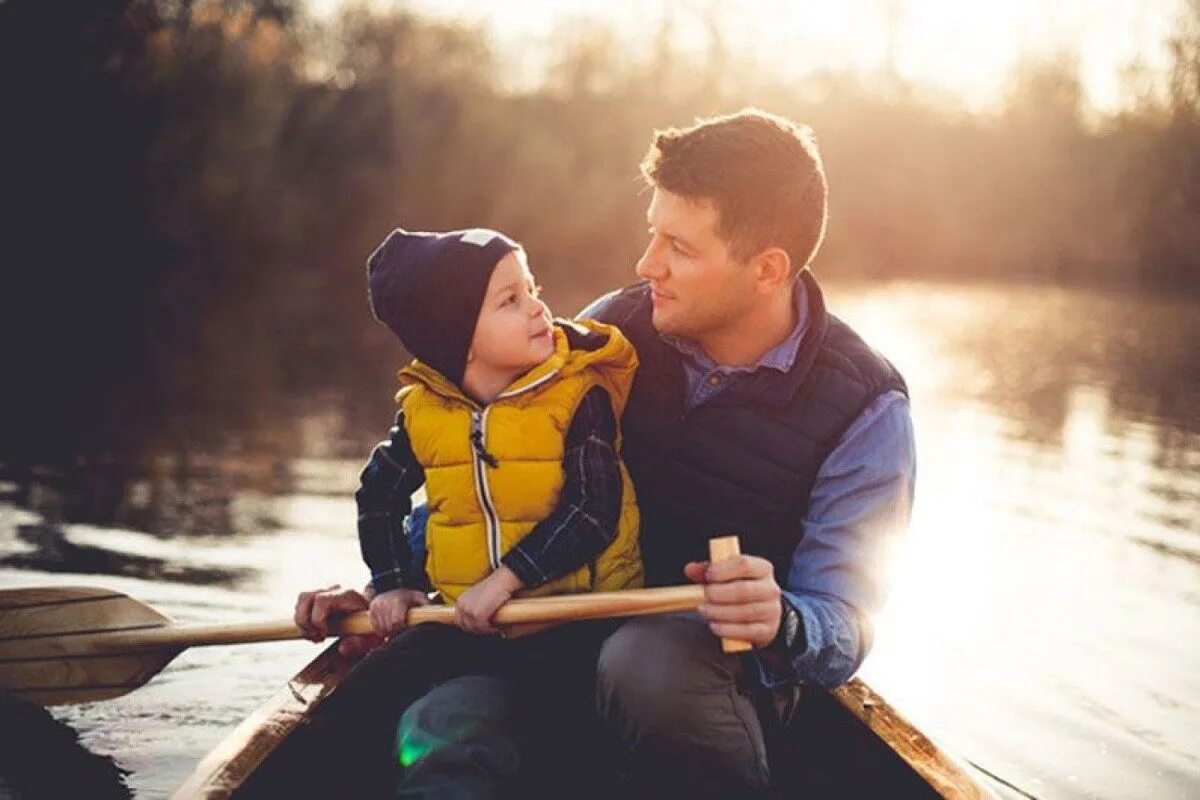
pixel 720 549
pixel 557 608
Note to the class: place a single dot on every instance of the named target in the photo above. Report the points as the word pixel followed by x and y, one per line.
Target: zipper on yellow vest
pixel 480 460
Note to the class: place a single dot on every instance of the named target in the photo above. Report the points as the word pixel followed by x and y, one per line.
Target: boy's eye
pixel 508 300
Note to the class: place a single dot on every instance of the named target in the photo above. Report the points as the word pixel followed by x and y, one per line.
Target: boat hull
pixel 846 743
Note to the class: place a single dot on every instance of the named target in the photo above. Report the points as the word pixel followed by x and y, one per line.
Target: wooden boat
pixel 848 743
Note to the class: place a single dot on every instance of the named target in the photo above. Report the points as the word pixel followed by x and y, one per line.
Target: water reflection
pixel 185 494
pixel 51 551
pixel 1046 591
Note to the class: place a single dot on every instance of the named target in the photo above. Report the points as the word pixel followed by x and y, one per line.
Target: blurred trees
pixel 193 186
pixel 1168 205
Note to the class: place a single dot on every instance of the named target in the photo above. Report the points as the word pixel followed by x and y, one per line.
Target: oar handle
pixel 556 608
pixel 572 607
pixel 720 549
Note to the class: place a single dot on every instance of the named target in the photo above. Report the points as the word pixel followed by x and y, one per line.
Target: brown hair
pixel 761 171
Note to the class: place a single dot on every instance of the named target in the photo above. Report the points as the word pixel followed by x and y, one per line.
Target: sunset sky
pixel 962 47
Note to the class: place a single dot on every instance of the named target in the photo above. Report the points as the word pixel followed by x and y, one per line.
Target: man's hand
pixel 314 610
pixel 476 606
pixel 389 611
pixel 741 598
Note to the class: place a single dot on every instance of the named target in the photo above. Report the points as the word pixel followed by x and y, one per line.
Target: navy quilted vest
pixel 744 462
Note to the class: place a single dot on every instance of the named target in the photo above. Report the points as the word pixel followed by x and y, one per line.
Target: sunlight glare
pixel 968 50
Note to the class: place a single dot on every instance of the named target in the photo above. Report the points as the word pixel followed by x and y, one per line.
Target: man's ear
pixel 773 267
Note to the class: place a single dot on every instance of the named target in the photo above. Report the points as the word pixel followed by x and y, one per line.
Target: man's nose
pixel 650 265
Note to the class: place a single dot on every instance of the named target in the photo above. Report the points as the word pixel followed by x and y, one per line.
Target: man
pixel 754 412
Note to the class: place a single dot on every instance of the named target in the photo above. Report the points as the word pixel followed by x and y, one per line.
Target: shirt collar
pixel 781 357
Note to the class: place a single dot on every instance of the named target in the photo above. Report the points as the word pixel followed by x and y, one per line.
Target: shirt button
pixel 714 380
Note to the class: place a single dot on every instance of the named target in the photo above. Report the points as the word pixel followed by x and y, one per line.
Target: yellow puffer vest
pixel 476 511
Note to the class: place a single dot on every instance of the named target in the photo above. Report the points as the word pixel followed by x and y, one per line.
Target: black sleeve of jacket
pixel 584 522
pixel 384 500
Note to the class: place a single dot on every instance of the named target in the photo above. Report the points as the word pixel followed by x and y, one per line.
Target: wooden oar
pixel 78 644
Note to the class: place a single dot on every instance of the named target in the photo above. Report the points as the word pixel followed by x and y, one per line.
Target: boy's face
pixel 513 332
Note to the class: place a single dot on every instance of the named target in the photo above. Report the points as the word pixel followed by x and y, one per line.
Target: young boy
pixel 509 420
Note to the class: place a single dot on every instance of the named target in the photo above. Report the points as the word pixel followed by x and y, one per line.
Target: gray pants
pixel 682 711
pixel 680 717
pixel 459 741
pixel 503 717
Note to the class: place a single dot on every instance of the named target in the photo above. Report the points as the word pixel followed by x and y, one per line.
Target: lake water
pixel 1044 621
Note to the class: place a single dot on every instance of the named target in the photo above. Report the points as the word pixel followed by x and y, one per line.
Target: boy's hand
pixel 389 611
pixel 476 606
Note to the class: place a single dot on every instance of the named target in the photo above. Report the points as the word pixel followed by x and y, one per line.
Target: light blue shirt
pixel 861 500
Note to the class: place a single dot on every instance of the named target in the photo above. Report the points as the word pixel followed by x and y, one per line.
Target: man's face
pixel 698 289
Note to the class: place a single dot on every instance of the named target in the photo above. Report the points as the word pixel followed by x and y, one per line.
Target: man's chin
pixel 672 326
pixel 662 323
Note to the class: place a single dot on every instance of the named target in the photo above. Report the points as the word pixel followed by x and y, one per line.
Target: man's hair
pixel 763 173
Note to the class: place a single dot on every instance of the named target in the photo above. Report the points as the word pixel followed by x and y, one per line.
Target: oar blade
pixel 50 652
pixel 81 679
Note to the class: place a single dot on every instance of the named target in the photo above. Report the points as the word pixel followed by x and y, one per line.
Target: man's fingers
pixel 320 614
pixel 765 611
pixel 695 571
pixel 739 567
pixel 314 608
pixel 334 601
pixel 741 591
pixel 346 600
pixel 302 616
pixel 757 633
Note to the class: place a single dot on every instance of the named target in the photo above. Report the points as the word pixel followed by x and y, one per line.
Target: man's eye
pixel 675 246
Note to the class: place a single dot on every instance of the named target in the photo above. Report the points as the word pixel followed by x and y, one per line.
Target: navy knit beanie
pixel 429 287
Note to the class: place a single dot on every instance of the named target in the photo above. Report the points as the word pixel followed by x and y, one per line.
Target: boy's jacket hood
pixel 578 345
